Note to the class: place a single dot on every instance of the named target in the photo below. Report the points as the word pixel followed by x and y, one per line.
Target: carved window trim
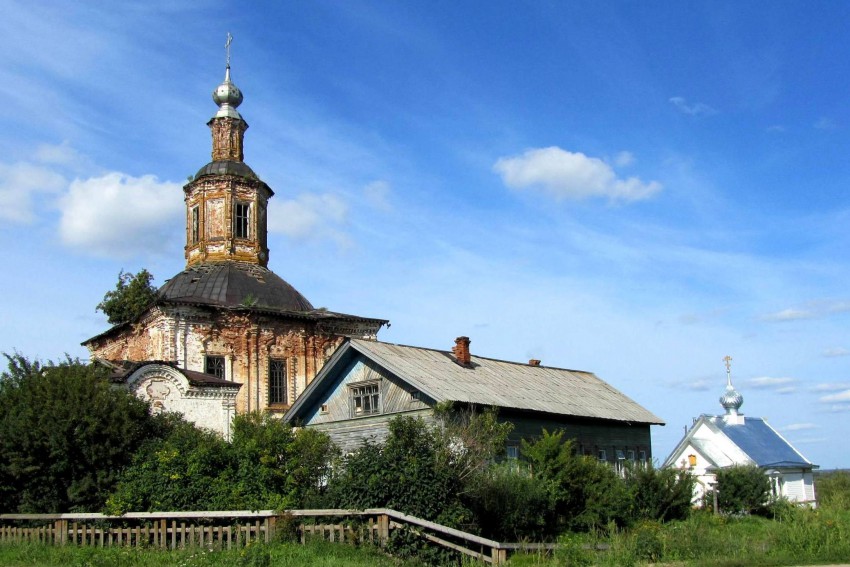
pixel 365 399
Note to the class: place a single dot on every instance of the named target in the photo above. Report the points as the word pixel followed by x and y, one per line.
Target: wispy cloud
pixel 775 129
pixel 311 216
pixel 768 382
pixel 838 397
pixel 811 310
pixel 692 109
pixel 835 352
pixel 377 194
pixel 831 387
pixel 799 427
pixel 571 175
pixel 789 315
pixel 825 123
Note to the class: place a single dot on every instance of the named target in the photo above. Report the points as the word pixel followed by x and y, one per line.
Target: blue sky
pixel 634 189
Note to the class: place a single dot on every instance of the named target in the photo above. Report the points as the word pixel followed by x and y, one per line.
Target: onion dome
pixel 731 400
pixel 227 96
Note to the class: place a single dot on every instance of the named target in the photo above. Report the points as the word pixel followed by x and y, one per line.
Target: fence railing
pixel 220 530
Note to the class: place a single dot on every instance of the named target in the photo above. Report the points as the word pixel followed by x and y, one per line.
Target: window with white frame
pixel 365 399
pixel 602 455
pixel 512 452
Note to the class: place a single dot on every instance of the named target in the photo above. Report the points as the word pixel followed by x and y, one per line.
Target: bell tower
pixel 226 202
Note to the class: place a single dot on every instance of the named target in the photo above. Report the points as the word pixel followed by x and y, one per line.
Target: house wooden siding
pixel 590 435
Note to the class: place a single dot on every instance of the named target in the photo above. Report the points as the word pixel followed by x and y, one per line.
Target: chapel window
pixel 277 381
pixel 242 220
pixel 196 227
pixel 214 365
pixel 365 399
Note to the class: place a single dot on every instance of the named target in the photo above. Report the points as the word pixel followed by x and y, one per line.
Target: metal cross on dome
pixel 728 360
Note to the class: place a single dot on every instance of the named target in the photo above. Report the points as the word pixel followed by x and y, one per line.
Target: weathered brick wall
pixel 246 340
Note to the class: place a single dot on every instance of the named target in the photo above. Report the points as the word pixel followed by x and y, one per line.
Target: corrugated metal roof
pixel 760 442
pixel 505 384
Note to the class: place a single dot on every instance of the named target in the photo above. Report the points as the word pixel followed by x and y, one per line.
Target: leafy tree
pixel 132 295
pixel 659 494
pixel 586 494
pixel 65 435
pixel 469 440
pixel 742 489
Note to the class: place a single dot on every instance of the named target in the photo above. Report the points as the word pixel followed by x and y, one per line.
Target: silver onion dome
pixel 227 96
pixel 731 400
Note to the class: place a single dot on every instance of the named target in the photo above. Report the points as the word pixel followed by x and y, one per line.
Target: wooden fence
pixel 220 530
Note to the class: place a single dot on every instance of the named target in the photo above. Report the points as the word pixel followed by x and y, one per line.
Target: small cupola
pixel 731 400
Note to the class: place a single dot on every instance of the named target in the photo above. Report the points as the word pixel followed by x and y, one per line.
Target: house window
pixel 642 457
pixel 602 455
pixel 196 227
pixel 241 220
pixel 277 381
pixel 630 455
pixel 365 400
pixel 214 365
pixel 512 452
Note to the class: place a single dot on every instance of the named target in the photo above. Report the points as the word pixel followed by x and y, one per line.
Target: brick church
pixel 226 334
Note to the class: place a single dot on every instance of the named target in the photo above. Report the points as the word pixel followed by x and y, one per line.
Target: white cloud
pixel 19 182
pixel 59 154
pixel 310 217
pixel 768 383
pixel 117 215
pixel 812 310
pixel 377 194
pixel 835 352
pixel 570 175
pixel 798 427
pixel 776 129
pixel 843 396
pixel 695 109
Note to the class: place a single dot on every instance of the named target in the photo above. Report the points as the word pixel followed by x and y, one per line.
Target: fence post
pixel 383 528
pixel 499 556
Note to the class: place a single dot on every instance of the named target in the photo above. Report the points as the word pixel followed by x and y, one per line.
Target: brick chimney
pixel 534 362
pixel 461 350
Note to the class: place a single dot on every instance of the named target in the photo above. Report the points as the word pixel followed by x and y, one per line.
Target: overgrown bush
pixel 408 473
pixel 742 489
pixel 833 490
pixel 510 504
pixel 658 494
pixel 65 435
pixel 267 465
pixel 586 494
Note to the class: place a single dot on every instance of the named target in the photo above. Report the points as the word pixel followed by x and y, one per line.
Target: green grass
pixel 314 554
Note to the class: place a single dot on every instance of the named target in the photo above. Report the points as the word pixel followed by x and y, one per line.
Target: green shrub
pixel 648 545
pixel 742 489
pixel 510 504
pixel 658 494
pixel 586 494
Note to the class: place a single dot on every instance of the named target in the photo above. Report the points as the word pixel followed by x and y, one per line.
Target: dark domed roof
pixel 226 167
pixel 233 284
